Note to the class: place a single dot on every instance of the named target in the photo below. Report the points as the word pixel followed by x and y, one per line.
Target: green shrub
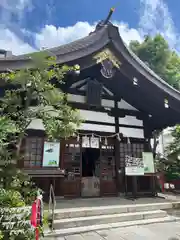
pixel 14 221
pixel 11 198
pixel 1 235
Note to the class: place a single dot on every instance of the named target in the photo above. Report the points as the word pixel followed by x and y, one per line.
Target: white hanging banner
pixel 94 142
pixel 51 154
pixel 85 142
pixel 148 162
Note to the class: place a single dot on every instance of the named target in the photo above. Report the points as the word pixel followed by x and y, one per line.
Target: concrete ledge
pixel 105 210
pixel 107 219
pixel 78 230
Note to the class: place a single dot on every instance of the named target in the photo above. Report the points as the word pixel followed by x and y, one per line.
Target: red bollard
pixel 37 234
pixel 36 216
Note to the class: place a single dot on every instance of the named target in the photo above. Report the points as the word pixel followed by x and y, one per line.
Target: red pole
pixel 37 234
pixel 38 219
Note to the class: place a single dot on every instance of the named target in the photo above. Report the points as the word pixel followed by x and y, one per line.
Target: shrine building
pixel 122 103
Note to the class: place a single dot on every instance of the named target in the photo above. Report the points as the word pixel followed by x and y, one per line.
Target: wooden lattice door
pixel 72 166
pixel 107 166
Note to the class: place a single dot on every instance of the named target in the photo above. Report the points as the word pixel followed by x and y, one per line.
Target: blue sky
pixel 28 25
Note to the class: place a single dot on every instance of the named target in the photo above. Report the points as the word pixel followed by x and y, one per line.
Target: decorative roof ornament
pixel 108 61
pixel 106 21
pixel 107 54
pixel 107 69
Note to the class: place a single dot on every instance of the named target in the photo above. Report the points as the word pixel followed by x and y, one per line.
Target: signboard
pixel 134 166
pixel 51 154
pixel 148 161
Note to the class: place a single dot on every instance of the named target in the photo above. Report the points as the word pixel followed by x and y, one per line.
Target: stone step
pixel 105 210
pixel 77 230
pixel 106 219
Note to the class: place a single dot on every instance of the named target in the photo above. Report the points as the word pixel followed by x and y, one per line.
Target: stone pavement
pixel 160 231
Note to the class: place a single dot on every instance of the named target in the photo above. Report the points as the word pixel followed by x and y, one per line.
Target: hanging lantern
pixel 100 139
pixel 77 69
pixel 105 141
pixel 166 103
pixel 135 81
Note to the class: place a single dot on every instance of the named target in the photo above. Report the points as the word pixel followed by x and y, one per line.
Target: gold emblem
pixel 106 54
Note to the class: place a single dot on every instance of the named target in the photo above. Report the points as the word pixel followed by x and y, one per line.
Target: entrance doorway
pixel 90 182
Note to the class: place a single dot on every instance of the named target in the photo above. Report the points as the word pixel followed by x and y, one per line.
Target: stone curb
pixel 78 230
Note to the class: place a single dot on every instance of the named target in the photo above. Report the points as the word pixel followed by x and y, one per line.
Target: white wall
pixel 127 132
pixel 105 118
pixel 164 140
pixel 102 117
pixel 105 102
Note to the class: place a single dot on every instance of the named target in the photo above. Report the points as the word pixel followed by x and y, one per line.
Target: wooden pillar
pixel 148 148
pixel 134 180
pixel 119 176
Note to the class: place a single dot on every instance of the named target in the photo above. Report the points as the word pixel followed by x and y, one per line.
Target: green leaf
pixel 156 53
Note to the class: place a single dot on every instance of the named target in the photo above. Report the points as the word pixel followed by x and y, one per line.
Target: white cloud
pixel 156 18
pixel 50 36
pixel 128 34
pixel 11 42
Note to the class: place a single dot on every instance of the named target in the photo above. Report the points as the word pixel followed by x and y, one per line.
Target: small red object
pixel 35 216
pixel 37 234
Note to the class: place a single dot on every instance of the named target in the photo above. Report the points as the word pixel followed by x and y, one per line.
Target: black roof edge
pixel 139 65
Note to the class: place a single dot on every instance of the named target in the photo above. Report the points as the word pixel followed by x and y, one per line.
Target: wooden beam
pixel 114 124
pixel 82 93
pixel 114 112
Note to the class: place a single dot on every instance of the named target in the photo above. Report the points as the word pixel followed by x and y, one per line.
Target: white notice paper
pixel 85 142
pixel 94 142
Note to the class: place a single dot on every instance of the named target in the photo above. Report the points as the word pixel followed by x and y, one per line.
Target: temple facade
pixel 122 102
